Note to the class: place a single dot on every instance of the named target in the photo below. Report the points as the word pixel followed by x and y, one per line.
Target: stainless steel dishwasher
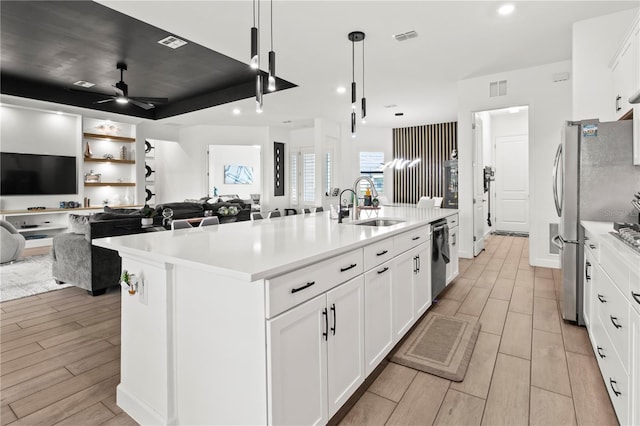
pixel 439 257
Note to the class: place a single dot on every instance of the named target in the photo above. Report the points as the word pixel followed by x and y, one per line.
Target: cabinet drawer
pixel 452 220
pixel 410 239
pixel 591 244
pixel 613 311
pixel 295 287
pixel 377 253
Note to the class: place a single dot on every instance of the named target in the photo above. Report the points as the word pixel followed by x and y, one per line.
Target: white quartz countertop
pixel 253 250
pixel 626 253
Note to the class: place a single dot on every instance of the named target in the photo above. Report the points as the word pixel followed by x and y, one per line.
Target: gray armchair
pixel 11 242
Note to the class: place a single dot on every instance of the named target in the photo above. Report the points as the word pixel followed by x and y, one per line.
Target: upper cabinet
pixel 625 79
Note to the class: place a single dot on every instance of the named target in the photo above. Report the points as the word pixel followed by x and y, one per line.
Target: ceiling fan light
pixel 254 48
pixel 122 100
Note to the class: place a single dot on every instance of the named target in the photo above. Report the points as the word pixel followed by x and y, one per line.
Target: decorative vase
pixel 147 221
pixel 123 152
pixel 87 151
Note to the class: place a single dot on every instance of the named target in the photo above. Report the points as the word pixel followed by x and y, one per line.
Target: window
pixel 308 177
pixel 294 179
pixel 371 166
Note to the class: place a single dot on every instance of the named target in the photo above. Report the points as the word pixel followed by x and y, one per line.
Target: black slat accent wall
pixel 433 144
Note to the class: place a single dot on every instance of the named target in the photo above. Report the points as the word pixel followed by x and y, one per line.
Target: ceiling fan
pixel 121 95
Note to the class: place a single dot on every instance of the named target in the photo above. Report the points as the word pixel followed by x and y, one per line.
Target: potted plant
pixel 147 215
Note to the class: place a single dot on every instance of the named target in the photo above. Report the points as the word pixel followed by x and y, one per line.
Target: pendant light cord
pixel 353 61
pixel 363 68
pixel 258 37
pixel 254 13
pixel 271 25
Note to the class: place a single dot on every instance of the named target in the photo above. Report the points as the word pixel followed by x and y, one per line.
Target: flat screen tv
pixel 234 174
pixel 35 174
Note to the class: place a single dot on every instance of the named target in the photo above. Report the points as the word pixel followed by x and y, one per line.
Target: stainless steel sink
pixel 379 222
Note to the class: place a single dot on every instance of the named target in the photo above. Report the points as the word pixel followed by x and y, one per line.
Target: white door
pixel 479 201
pixel 422 279
pixel 297 365
pixel 512 183
pixel 346 342
pixel 404 269
pixel 378 335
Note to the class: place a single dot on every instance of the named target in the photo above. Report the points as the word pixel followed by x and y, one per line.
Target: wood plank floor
pixel 60 357
pixel 528 366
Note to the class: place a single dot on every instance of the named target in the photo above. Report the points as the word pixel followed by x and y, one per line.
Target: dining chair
pixel 425 203
pixel 181 224
pixel 319 209
pixel 275 213
pixel 209 220
pixel 256 216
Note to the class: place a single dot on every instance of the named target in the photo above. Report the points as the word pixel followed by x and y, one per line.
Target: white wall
pixel 549 105
pixel 594 44
pixel 182 166
pixel 34 131
pixel 241 155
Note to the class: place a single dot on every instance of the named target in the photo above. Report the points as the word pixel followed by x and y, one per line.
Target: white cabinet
pixel 625 73
pixel 453 267
pixel 378 314
pixel 317 356
pixel 588 292
pixel 635 367
pixel 405 267
pixel 422 280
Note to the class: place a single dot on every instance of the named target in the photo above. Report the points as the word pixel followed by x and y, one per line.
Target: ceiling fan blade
pixel 151 100
pixel 88 92
pixel 141 104
pixel 118 91
pixel 111 98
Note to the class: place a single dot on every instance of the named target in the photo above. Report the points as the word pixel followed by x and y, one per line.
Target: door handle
pixel 325 333
pixel 618 107
pixel 557 241
pixel 353 265
pixel 613 321
pixel 554 174
pixel 382 271
pixel 307 285
pixel 636 296
pixel 611 383
pixel 333 309
pixel 599 349
pixel 586 271
pixel 602 299
pixel 382 253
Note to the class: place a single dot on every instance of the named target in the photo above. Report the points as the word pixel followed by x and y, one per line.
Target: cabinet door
pixel 405 268
pixel 635 368
pixel 346 342
pixel 378 334
pixel 297 365
pixel 589 269
pixel 453 267
pixel 422 280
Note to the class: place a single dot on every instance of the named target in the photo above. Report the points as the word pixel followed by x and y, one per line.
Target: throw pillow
pixel 79 224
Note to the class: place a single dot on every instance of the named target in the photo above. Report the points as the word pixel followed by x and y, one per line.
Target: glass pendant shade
pixel 254 48
pixel 258 93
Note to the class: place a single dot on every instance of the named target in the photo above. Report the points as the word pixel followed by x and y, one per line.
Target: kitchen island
pixel 276 321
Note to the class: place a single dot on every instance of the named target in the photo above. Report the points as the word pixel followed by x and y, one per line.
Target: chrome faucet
pixel 340 211
pixel 374 193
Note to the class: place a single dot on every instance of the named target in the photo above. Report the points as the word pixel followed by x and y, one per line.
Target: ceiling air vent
pixel 84 84
pixel 405 36
pixel 498 88
pixel 172 42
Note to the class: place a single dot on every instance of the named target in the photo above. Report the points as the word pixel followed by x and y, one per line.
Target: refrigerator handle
pixel 557 241
pixel 556 164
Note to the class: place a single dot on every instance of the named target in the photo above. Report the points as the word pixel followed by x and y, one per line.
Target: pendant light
pixel 364 100
pixel 254 40
pixel 271 86
pixel 354 36
pixel 257 61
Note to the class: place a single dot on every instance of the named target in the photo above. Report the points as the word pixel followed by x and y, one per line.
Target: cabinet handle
pixel 602 299
pixel 636 296
pixel 586 271
pixel 307 285
pixel 593 246
pixel 415 238
pixel 326 324
pixel 353 265
pixel 382 253
pixel 333 309
pixel 613 321
pixel 618 107
pixel 599 349
pixel 611 383
pixel 419 263
pixel 455 239
pixel 382 271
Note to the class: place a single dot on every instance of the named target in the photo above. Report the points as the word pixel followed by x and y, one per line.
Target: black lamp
pixel 355 36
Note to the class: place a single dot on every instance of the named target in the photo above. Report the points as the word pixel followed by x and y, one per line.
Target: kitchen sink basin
pixel 379 222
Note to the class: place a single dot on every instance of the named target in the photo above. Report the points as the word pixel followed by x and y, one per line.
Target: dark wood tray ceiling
pixel 48 45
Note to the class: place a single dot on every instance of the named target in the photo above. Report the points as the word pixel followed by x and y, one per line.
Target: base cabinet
pixel 588 292
pixel 453 268
pixel 404 268
pixel 635 367
pixel 378 314
pixel 317 356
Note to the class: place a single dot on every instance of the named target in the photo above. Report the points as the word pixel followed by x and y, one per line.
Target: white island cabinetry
pixel 277 321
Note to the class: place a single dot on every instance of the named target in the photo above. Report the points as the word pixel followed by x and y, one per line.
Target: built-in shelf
pixel 109 184
pixel 108 137
pixel 107 160
pixel 40 228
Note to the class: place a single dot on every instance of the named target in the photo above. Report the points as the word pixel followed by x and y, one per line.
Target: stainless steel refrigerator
pixel 593 179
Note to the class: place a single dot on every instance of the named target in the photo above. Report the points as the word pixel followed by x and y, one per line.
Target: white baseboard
pixel 547 263
pixel 138 410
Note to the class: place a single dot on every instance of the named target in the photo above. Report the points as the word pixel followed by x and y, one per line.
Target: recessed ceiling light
pixel 85 84
pixel 341 89
pixel 236 111
pixel 172 42
pixel 59 112
pixel 506 9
